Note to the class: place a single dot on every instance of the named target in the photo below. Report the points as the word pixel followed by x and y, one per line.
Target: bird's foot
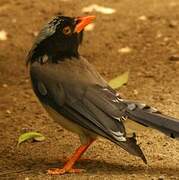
pixel 61 171
pixel 68 167
pixel 81 159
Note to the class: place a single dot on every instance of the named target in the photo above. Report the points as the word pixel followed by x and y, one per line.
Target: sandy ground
pixel 154 79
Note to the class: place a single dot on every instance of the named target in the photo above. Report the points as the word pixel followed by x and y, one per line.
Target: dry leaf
pixel 119 80
pixel 97 8
pixel 30 135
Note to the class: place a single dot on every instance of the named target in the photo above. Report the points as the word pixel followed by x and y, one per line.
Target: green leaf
pixel 30 135
pixel 118 81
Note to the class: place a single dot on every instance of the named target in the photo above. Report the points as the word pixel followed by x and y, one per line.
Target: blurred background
pixel 141 36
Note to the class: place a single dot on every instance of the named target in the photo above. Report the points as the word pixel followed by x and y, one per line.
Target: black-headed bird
pixel 79 99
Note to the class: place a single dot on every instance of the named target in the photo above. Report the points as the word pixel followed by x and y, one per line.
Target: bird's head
pixel 59 39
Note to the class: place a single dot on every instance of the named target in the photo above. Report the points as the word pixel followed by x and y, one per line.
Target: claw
pixel 58 171
pixel 68 167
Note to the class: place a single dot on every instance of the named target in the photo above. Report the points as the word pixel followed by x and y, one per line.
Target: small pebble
pixel 174 178
pixel 174 57
pixel 26 95
pixel 4 85
pixel 35 33
pixel 161 177
pixel 3 35
pixel 8 111
pixel 173 4
pixel 142 18
pixel 27 80
pixel 125 50
pixel 166 39
pixel 135 92
pixel 159 35
pixel 14 20
pixel 133 175
pixel 173 23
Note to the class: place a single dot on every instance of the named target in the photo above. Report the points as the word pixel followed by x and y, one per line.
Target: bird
pixel 76 96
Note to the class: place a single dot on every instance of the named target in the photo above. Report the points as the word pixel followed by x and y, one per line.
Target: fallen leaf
pixel 30 135
pixel 97 8
pixel 119 80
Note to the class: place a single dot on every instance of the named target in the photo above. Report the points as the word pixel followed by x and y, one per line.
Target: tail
pixel 131 146
pixel 147 116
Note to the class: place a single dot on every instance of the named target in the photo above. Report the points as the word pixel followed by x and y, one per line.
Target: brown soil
pixel 153 79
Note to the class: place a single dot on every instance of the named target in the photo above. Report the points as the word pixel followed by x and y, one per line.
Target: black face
pixel 57 40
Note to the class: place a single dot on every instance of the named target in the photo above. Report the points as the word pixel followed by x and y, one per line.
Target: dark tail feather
pixel 131 146
pixel 151 118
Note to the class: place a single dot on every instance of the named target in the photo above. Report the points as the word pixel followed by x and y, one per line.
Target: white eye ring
pixel 67 30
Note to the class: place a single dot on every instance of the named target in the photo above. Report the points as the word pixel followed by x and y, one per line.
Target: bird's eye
pixel 67 30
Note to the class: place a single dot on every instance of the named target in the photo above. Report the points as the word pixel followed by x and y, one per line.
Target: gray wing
pixel 91 106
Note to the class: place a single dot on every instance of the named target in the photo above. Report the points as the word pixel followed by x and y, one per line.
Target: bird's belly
pixel 64 122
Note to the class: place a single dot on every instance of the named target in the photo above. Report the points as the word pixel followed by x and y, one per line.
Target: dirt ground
pixel 150 28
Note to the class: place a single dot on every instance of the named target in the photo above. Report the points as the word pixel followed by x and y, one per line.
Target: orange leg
pixel 68 167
